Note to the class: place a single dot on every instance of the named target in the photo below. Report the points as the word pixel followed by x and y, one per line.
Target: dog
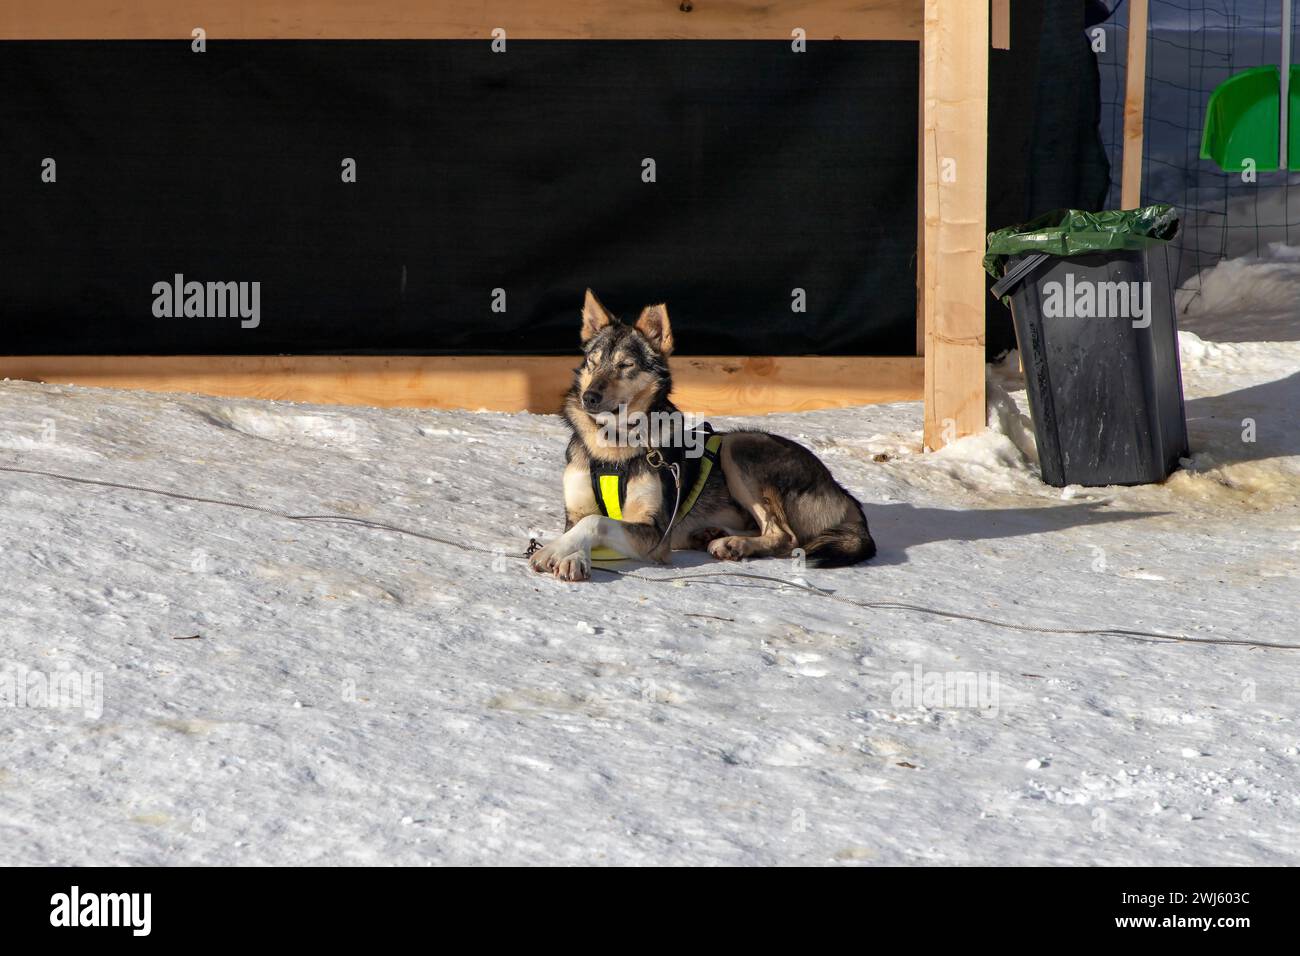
pixel 631 492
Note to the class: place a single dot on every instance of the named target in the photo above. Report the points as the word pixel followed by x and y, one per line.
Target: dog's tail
pixel 843 544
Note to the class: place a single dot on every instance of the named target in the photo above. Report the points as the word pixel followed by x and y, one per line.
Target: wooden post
pixel 955 51
pixel 1135 90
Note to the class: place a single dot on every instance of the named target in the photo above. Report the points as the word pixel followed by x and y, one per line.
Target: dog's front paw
pixel 573 567
pixel 731 548
pixel 543 560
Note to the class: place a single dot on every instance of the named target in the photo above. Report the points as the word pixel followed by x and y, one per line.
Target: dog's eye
pixel 624 366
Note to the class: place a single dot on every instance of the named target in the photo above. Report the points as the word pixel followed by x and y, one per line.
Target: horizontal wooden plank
pixel 445 19
pixel 747 386
pixel 710 385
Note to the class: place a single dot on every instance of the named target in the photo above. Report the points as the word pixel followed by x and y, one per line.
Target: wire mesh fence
pixel 1194 45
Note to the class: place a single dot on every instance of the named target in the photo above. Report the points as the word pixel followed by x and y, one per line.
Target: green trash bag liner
pixel 1072 232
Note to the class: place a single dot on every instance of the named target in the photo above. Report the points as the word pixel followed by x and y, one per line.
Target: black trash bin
pixel 1091 298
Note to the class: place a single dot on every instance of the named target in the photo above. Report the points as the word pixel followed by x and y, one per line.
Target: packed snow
pixel 185 682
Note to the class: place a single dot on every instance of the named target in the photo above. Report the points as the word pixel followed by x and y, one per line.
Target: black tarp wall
pixel 476 172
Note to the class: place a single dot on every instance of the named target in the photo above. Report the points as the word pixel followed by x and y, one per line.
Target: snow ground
pixel 358 696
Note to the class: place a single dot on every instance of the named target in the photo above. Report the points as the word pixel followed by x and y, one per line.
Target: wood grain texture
pixel 955 97
pixel 712 385
pixel 469 19
pixel 1135 91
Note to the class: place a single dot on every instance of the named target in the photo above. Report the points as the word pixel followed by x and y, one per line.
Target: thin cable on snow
pixel 666 579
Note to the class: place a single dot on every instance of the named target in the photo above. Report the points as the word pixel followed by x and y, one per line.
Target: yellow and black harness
pixel 682 485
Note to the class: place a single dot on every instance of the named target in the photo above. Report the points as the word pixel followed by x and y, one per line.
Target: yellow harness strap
pixel 710 456
pixel 609 495
pixel 608 485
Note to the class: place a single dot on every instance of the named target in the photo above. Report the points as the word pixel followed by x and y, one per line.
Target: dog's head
pixel 623 365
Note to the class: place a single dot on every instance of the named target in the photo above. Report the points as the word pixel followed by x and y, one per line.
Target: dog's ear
pixel 653 324
pixel 594 316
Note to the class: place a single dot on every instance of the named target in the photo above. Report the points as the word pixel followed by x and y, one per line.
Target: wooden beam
pixel 1135 90
pixel 463 19
pixel 956 54
pixel 710 385
pixel 1000 25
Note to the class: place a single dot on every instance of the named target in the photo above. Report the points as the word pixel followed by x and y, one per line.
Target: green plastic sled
pixel 1244 118
pixel 1241 122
